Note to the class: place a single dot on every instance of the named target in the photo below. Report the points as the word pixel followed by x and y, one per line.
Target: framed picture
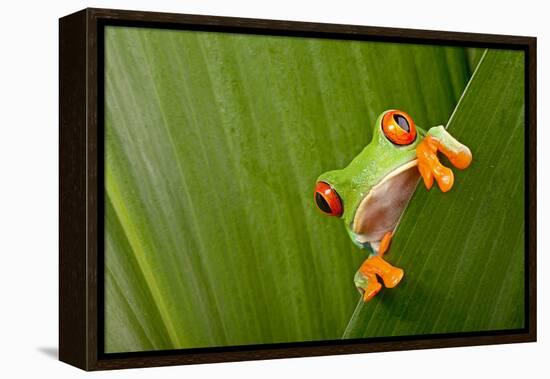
pixel 238 189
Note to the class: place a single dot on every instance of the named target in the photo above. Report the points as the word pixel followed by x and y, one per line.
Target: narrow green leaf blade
pixel 463 251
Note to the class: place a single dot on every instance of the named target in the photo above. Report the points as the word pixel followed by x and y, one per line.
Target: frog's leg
pixel 375 266
pixel 385 244
pixel 438 139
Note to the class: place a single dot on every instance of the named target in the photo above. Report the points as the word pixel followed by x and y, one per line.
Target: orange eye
pixel 327 199
pixel 399 127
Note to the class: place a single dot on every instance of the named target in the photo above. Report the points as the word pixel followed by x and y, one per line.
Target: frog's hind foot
pixel 366 279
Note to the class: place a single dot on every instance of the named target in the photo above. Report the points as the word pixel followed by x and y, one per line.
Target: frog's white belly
pixel 380 211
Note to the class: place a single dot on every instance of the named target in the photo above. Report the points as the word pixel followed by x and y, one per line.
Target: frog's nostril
pixel 327 199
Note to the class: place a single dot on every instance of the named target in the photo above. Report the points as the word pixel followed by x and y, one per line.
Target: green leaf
pixel 473 55
pixel 463 251
pixel 213 144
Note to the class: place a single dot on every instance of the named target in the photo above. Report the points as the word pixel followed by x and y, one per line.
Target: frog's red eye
pixel 399 127
pixel 327 199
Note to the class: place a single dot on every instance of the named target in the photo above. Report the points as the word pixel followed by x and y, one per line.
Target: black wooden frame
pixel 81 184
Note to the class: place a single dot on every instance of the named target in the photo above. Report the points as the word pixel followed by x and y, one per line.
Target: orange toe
pixel 461 158
pixel 372 289
pixel 376 265
pixel 444 177
pixel 393 277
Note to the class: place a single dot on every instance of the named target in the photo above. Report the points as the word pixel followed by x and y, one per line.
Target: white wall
pixel 28 186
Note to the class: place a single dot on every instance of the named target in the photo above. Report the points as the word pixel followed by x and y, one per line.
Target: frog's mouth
pixel 380 210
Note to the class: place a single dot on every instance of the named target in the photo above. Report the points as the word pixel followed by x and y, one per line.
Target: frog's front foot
pixel 366 278
pixel 428 163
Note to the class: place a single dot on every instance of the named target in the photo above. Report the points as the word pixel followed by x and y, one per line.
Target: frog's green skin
pixel 376 163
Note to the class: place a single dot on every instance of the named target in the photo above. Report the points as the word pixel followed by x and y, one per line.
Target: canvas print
pixel 224 153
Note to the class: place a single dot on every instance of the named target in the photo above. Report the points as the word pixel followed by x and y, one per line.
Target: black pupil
pixel 402 122
pixel 322 203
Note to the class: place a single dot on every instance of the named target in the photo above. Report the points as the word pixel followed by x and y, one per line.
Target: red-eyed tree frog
pixel 371 193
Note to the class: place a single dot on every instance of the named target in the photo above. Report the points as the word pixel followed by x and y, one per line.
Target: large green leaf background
pixel 213 144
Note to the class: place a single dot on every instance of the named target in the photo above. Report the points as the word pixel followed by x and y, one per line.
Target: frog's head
pixel 372 191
